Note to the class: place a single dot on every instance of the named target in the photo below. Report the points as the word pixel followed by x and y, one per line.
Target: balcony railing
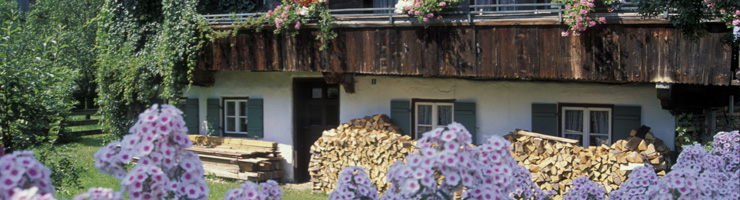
pixel 471 12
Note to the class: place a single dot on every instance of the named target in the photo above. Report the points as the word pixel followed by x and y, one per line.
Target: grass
pixel 81 153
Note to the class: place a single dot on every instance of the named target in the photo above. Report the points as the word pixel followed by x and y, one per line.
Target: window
pixel 431 115
pixel 590 125
pixel 235 116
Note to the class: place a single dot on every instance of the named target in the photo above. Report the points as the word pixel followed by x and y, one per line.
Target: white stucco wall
pixel 276 90
pixel 503 106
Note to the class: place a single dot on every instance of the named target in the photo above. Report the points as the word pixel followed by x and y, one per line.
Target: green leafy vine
pixel 148 50
pixel 287 17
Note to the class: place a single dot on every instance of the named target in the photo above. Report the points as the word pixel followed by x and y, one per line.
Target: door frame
pixel 295 115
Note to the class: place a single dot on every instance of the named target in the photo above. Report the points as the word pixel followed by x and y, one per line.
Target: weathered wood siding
pixel 619 53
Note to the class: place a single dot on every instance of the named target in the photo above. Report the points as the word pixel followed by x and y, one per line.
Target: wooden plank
pixel 548 43
pixel 82 123
pixel 247 142
pixel 526 51
pixel 543 136
pixel 88 132
pixel 507 54
pixel 487 58
pixel 238 153
pixel 605 56
pixel 84 112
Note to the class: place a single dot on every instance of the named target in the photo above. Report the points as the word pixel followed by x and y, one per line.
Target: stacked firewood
pixel 372 143
pixel 555 162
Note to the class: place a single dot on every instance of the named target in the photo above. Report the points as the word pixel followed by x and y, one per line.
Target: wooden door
pixel 316 108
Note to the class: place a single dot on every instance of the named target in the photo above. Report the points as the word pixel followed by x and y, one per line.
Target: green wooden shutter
pixel 255 117
pixel 626 118
pixel 545 118
pixel 465 115
pixel 191 116
pixel 401 115
pixel 213 115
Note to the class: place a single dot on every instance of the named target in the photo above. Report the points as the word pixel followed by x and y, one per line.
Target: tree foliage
pixel 147 50
pixel 34 78
pixel 691 15
pixel 78 19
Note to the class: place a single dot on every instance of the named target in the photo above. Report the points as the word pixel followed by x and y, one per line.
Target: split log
pixel 555 161
pixel 372 142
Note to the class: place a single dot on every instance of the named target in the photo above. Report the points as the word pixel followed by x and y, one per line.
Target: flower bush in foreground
pixel 269 190
pixel 32 193
pixel 165 169
pixel 354 184
pixel 99 194
pixel 447 164
pixel 637 184
pixel 584 189
pixel 20 171
pixel 697 174
pixel 446 167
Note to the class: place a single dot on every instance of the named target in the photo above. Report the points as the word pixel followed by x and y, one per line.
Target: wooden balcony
pixel 483 42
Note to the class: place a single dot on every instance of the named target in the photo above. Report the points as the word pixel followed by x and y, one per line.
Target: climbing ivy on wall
pixel 147 53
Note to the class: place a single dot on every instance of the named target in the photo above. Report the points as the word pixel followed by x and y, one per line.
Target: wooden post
pixel 731 110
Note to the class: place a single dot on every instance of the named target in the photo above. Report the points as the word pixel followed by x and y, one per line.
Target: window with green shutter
pixel 235 115
pixel 191 112
pixel 419 116
pixel 213 121
pixel 255 110
pixel 401 115
pixel 465 114
pixel 545 118
pixel 591 124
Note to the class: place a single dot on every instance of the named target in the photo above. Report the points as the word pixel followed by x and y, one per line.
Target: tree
pixel 78 19
pixel 34 83
pixel 691 15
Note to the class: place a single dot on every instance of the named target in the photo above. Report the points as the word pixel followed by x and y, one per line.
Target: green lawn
pixel 81 153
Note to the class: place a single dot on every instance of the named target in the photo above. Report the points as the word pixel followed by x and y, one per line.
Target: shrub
pixel 584 189
pixel 447 164
pixel 20 171
pixel 697 174
pixel 165 169
pixel 99 194
pixel 269 190
pixel 354 184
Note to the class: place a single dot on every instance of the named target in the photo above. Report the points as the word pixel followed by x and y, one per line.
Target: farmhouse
pixel 487 68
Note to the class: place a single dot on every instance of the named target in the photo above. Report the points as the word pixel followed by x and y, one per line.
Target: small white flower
pixel 448 136
pixel 303 11
pixel 411 186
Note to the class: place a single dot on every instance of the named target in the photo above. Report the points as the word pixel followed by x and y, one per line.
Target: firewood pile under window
pixel 555 161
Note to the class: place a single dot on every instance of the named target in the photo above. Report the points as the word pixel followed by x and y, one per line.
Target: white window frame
pixel 237 115
pixel 435 122
pixel 586 123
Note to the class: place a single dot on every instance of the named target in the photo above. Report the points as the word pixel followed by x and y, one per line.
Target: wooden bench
pixel 238 158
